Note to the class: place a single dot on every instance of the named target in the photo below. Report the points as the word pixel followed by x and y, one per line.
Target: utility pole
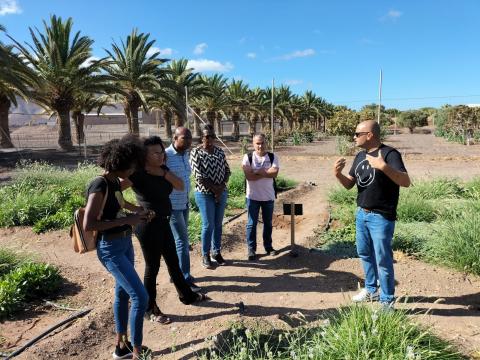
pixel 186 107
pixel 379 97
pixel 271 112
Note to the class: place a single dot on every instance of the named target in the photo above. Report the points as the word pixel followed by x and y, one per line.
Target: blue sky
pixel 429 50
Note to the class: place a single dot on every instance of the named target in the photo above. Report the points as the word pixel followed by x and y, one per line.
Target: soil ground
pixel 271 287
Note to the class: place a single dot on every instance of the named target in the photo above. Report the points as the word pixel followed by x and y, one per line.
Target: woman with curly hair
pixel 152 186
pixel 104 213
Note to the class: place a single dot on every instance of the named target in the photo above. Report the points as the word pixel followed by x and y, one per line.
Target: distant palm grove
pixel 57 71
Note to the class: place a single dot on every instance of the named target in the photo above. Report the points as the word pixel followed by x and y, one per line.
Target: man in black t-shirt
pixel 378 172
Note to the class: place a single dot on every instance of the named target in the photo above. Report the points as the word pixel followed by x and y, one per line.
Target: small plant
pixel 344 146
pixel 28 281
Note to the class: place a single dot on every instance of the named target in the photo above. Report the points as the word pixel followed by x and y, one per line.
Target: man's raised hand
pixel 339 165
pixel 377 162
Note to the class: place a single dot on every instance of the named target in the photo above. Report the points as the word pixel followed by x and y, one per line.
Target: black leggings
pixel 156 240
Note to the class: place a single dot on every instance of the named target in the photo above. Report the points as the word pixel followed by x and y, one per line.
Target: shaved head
pixel 370 126
pixel 181 130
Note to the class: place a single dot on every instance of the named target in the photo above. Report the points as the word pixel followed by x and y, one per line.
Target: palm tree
pixel 61 64
pixel 213 103
pixel 239 98
pixel 15 79
pixel 137 76
pixel 184 77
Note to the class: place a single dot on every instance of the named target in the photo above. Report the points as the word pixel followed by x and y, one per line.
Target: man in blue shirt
pixel 178 163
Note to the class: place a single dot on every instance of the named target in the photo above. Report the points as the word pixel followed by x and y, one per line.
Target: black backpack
pixel 270 156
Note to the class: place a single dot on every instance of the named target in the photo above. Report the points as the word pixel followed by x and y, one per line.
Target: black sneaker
pixel 123 353
pixel 252 256
pixel 271 252
pixel 194 287
pixel 206 262
pixel 219 259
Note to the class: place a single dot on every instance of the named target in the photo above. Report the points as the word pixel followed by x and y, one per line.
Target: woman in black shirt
pixel 114 248
pixel 152 186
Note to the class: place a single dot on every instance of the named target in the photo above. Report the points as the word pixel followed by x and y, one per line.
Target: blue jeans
pixel 253 207
pixel 374 236
pixel 211 213
pixel 117 257
pixel 179 226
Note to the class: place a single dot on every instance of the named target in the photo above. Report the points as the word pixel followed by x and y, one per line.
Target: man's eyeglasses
pixel 358 134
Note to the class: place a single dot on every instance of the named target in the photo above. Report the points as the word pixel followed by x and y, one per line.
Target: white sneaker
pixel 365 296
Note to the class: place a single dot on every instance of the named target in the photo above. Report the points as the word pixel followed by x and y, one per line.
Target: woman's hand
pixel 135 219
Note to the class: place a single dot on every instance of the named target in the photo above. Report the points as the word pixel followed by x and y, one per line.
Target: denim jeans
pixel 179 226
pixel 116 255
pixel 253 207
pixel 211 213
pixel 374 236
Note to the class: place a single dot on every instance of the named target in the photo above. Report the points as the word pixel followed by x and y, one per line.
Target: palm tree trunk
pixel 252 125
pixel 218 119
pixel 79 120
pixel 235 126
pixel 126 110
pixel 211 117
pixel 135 130
pixel 196 125
pixel 290 123
pixel 64 130
pixel 265 125
pixel 5 140
pixel 168 123
pixel 179 120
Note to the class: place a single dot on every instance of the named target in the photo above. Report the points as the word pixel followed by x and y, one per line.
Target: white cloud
pixel 163 52
pixel 200 48
pixel 293 82
pixel 9 7
pixel 392 15
pixel 251 55
pixel 296 54
pixel 209 65
pixel 89 61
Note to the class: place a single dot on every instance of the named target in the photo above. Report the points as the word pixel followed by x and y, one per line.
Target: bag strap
pixel 250 155
pixel 104 199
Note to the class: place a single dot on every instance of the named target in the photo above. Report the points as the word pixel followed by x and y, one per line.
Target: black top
pixel 152 192
pixel 112 209
pixel 376 191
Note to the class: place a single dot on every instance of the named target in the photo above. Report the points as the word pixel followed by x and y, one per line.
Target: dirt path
pixel 269 288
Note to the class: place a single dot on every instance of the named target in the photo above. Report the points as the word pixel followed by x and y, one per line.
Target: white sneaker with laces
pixel 365 296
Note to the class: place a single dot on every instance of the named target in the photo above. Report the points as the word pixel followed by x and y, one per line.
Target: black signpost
pixel 292 209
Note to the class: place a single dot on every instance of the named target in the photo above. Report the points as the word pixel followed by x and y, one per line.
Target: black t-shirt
pixel 112 209
pixel 152 192
pixel 376 191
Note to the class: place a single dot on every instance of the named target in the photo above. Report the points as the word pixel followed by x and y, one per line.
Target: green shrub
pixel 457 243
pixel 8 261
pixel 355 332
pixel 440 188
pixel 29 281
pixel 411 237
pixel 194 227
pixel 412 208
pixel 344 146
pixel 340 195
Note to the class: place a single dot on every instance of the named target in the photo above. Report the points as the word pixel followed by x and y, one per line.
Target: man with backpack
pixel 260 168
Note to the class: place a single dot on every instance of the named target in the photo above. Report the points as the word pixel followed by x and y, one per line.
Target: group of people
pixel 160 179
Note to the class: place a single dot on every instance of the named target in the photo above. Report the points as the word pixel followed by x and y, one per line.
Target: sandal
pixel 200 297
pixel 155 315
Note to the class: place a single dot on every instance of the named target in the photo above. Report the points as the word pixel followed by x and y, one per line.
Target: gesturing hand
pixel 377 162
pixel 338 166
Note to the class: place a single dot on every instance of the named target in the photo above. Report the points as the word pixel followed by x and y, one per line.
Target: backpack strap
pixel 250 157
pixel 271 156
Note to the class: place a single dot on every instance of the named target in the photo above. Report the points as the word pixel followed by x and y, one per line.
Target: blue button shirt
pixel 179 165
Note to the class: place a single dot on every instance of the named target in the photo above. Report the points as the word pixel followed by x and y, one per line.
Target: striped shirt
pixel 213 167
pixel 178 164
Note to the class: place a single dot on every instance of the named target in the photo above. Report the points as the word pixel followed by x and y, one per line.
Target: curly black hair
pixel 122 154
pixel 153 140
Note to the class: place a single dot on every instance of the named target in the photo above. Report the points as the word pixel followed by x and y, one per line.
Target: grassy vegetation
pixel 438 221
pixel 355 332
pixel 22 280
pixel 45 197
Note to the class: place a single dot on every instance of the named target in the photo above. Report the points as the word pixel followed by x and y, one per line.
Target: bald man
pixel 378 171
pixel 178 163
